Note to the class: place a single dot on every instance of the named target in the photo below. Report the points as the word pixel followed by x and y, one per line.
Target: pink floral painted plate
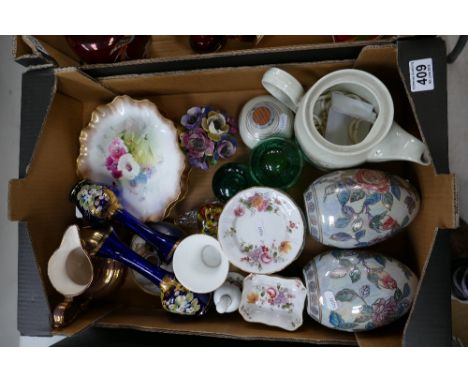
pixel 261 230
pixel 274 301
pixel 131 147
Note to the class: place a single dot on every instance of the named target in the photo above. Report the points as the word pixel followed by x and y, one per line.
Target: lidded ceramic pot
pixel 385 141
pixel 357 290
pixel 264 117
pixel 358 208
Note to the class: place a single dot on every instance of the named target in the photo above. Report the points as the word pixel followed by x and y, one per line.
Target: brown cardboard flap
pixel 443 202
pixel 386 336
pixel 40 46
pixel 41 198
pixel 460 320
pixel 215 80
pixel 18 200
pixel 88 318
pixel 437 210
pixel 27 53
pixel 225 326
pixel 20 48
pixel 377 59
pixel 79 86
pixel 166 48
pixel 177 46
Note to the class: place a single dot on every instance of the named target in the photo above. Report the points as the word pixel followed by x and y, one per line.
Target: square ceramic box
pixel 57 104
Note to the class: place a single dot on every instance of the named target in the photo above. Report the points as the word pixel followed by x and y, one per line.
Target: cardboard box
pixel 166 51
pixel 57 104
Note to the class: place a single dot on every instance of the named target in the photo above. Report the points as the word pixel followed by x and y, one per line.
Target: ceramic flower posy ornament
pixel 207 136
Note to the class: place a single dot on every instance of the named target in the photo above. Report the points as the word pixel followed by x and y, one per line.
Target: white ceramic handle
pixel 284 87
pixel 400 145
pixel 227 298
pixel 223 304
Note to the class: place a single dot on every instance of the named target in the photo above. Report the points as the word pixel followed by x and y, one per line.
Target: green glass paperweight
pixel 276 162
pixel 229 179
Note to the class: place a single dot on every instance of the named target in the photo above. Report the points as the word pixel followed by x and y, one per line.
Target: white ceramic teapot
pixel 385 141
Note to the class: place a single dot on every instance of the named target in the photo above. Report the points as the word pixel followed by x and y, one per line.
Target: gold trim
pixel 171 254
pixel 166 284
pixel 93 239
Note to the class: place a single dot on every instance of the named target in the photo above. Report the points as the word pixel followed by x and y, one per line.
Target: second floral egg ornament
pixel 358 208
pixel 357 290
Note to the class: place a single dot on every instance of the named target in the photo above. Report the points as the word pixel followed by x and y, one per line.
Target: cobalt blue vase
pixel 174 297
pixel 99 205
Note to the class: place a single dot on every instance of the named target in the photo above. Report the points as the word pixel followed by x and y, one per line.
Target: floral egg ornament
pixel 357 290
pixel 358 208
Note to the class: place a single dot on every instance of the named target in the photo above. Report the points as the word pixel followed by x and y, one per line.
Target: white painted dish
pixel 261 230
pixel 129 146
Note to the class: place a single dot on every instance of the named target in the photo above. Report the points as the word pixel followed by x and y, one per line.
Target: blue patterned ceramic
pixel 357 290
pixel 358 208
pixel 99 205
pixel 174 297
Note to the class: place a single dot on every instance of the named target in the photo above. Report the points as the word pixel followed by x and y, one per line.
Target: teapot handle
pixel 400 145
pixel 284 87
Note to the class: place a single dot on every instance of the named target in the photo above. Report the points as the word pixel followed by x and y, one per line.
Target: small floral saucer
pixel 274 301
pixel 129 146
pixel 261 230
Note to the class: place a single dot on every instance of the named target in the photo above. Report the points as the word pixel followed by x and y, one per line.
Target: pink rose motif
pixel 197 143
pixel 373 180
pixel 258 202
pixel 271 292
pixel 386 281
pixel 239 211
pixel 111 165
pixel 266 258
pixel 117 148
